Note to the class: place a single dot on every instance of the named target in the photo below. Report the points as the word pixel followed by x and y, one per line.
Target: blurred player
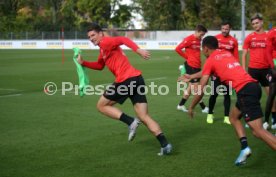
pixel 255 43
pixel 223 64
pixel 271 48
pixel 191 55
pixel 228 43
pixel 129 83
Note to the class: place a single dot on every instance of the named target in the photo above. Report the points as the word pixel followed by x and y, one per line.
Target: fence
pixel 133 34
pixel 73 35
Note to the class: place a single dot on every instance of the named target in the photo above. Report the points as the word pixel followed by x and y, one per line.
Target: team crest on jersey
pixel 231 42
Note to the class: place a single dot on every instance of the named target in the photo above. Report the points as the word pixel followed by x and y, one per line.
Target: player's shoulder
pixel 252 34
pixel 218 35
pixel 233 38
pixel 272 31
pixel 190 37
pixel 106 41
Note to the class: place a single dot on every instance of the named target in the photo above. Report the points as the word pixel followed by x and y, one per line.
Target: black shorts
pixel 133 88
pixel 192 70
pixel 261 75
pixel 248 101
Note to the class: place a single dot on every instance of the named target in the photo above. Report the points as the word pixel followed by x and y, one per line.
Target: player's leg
pixel 106 106
pixel 212 99
pixel 270 101
pixel 140 105
pixel 273 80
pixel 227 104
pixel 264 81
pixel 194 91
pixel 141 110
pixel 260 132
pixel 235 115
pixel 186 95
pixel 245 152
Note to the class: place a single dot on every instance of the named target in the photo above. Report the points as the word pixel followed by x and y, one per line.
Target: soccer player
pixel 191 55
pixel 225 66
pixel 129 83
pixel 255 42
pixel 228 43
pixel 271 48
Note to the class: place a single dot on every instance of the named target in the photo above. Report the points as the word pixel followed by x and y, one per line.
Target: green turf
pixel 64 135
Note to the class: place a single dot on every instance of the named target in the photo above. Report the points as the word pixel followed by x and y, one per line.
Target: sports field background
pixel 65 136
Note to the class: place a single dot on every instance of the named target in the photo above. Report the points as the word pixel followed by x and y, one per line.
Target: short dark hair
pixel 256 16
pixel 94 27
pixel 225 23
pixel 210 42
pixel 201 28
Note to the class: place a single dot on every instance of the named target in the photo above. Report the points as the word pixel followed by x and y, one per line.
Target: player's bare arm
pixel 244 55
pixel 188 77
pixel 79 59
pixel 143 53
pixel 203 81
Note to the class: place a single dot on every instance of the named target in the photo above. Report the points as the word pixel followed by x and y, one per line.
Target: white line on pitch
pixel 11 95
pixel 9 89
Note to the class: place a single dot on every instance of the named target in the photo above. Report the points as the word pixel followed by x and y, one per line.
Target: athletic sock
pixel 162 140
pixel 202 105
pixel 182 102
pixel 126 119
pixel 243 141
pixel 273 118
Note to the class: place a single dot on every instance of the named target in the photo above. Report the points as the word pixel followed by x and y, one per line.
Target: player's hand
pixel 143 53
pixel 184 78
pixel 191 112
pixel 79 59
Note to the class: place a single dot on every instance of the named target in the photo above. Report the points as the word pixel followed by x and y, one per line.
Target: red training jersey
pixel 112 56
pixel 271 46
pixel 229 43
pixel 191 44
pixel 256 43
pixel 224 65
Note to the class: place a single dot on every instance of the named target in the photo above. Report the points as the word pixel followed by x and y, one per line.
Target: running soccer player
pixel 129 83
pixel 228 43
pixel 255 42
pixel 271 48
pixel 192 63
pixel 223 64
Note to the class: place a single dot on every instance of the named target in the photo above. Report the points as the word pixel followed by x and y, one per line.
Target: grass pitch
pixel 64 135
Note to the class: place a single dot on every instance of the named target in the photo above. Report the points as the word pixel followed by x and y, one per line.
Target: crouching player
pixel 225 66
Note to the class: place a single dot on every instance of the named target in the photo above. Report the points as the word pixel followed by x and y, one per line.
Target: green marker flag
pixel 182 70
pixel 83 77
pixel 274 61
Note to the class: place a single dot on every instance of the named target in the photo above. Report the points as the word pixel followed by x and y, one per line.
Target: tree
pixel 160 14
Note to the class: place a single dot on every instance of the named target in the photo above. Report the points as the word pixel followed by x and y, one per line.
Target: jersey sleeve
pixel 207 68
pixel 236 50
pixel 114 42
pixel 246 43
pixel 179 49
pixel 98 65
